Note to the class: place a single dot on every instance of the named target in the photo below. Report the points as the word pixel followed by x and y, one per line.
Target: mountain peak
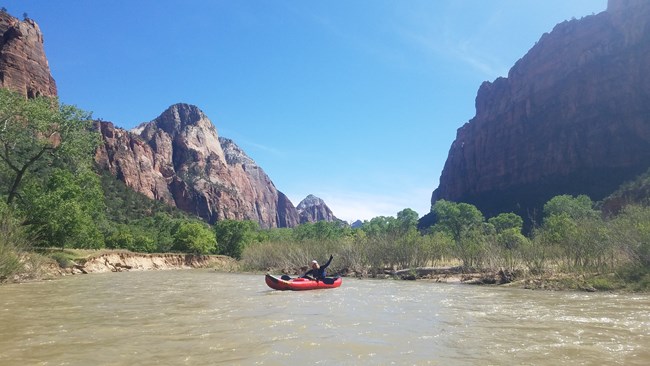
pixel 178 117
pixel 313 209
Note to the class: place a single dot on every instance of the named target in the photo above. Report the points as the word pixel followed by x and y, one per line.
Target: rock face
pixel 313 209
pixel 179 158
pixel 23 65
pixel 572 117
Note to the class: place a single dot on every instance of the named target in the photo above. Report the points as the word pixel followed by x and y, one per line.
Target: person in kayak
pixel 317 272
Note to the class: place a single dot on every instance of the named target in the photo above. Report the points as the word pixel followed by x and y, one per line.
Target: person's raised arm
pixel 328 262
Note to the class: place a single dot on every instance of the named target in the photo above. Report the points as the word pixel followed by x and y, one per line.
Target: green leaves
pixel 574 207
pixel 507 221
pixel 67 211
pixel 37 134
pixel 194 237
pixel 233 236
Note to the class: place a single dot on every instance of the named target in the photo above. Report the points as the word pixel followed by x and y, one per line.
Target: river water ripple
pixel 200 317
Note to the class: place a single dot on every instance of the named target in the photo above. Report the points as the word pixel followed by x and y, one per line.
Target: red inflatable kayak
pixel 298 284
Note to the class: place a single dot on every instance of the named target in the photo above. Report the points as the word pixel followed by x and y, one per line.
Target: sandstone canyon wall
pixel 23 65
pixel 572 117
pixel 179 158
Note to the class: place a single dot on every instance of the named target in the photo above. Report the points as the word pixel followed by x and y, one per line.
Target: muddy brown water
pixel 201 317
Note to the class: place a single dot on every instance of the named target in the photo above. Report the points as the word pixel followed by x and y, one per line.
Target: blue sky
pixel 356 102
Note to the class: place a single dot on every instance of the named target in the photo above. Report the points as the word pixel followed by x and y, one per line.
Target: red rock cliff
pixel 572 117
pixel 179 158
pixel 23 65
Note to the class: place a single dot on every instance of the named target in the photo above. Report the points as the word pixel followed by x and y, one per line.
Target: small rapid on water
pixel 201 317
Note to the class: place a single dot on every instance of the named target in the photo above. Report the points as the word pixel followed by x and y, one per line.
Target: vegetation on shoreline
pixel 574 247
pixel 53 196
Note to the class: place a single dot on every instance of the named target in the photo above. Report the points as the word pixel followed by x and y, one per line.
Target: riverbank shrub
pixel 631 232
pixel 133 239
pixel 379 246
pixel 13 243
pixel 68 211
pixel 637 278
pixel 194 237
pixel 574 246
pixel 63 258
pixel 233 236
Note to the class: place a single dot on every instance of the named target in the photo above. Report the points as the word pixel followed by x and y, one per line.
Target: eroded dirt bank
pixel 127 261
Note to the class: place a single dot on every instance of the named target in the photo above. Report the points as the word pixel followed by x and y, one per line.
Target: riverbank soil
pixel 550 280
pixel 54 263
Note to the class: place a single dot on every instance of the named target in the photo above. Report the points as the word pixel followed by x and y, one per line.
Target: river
pixel 202 317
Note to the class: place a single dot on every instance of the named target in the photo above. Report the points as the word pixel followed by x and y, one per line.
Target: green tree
pixel 464 222
pixel 457 218
pixel 320 230
pixel 575 207
pixel 120 239
pixel 507 221
pixel 408 218
pixel 194 237
pixel 38 133
pixel 379 225
pixel 559 229
pixel 132 238
pixel 284 234
pixel 233 236
pixel 575 229
pixel 68 211
pixel 164 226
pixel 631 231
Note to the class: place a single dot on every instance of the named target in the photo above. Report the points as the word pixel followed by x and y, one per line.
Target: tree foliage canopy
pixel 67 211
pixel 457 218
pixel 233 236
pixel 38 133
pixel 194 237
pixel 507 221
pixel 575 207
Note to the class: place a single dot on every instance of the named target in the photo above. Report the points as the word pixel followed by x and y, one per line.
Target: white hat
pixel 314 262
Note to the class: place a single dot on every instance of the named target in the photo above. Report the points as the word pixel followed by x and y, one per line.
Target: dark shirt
pixel 318 273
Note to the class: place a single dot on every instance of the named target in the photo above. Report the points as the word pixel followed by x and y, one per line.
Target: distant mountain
pixel 572 117
pixel 313 209
pixel 357 224
pixel 179 158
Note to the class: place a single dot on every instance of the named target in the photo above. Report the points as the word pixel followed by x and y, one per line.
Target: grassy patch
pixel 63 258
pixel 67 258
